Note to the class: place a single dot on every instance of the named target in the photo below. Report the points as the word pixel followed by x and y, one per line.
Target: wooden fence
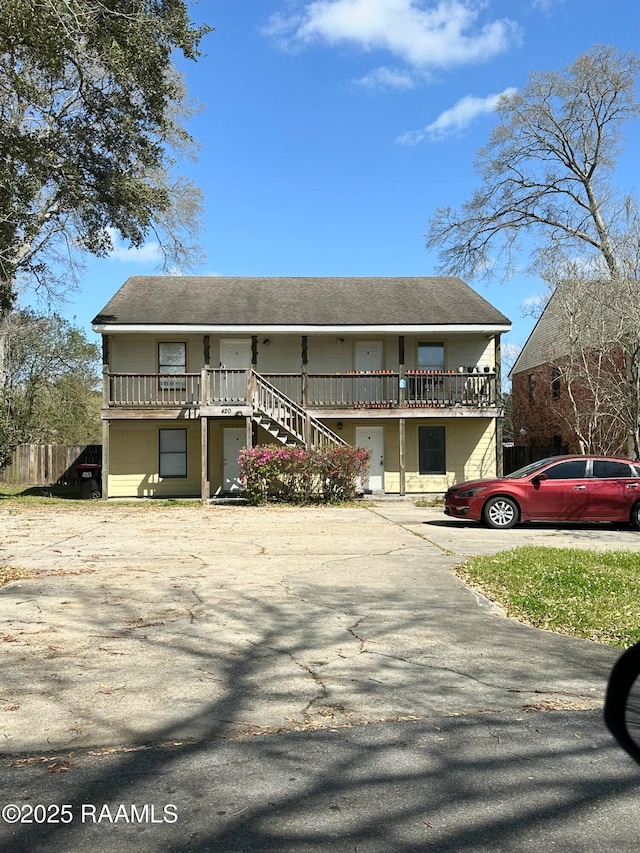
pixel 48 464
pixel 517 457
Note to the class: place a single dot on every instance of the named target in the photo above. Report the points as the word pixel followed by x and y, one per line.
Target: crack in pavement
pixel 322 692
pixel 445 551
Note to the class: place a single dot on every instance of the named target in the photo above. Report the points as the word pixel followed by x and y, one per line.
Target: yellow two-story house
pixel 196 368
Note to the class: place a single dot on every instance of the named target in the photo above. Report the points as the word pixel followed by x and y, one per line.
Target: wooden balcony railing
pixel 140 390
pixel 431 388
pixel 377 389
pixel 357 390
pixel 224 386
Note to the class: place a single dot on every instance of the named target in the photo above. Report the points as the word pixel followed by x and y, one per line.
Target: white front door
pixel 234 439
pixel 235 356
pixel 368 355
pixel 372 439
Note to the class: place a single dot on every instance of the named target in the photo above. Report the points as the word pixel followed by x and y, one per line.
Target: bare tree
pixel 596 358
pixel 547 172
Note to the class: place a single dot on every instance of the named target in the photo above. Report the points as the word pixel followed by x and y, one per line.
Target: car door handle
pixel 632 485
pixel 577 488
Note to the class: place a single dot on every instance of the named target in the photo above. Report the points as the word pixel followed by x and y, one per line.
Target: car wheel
pixel 500 513
pixel 635 516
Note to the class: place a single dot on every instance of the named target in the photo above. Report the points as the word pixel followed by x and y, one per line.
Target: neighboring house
pixel 553 394
pixel 195 368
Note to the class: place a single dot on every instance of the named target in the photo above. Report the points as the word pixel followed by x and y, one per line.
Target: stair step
pixel 279 421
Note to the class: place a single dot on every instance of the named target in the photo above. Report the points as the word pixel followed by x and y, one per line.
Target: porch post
pixel 106 387
pixel 401 442
pixel 305 380
pixel 249 432
pixel 402 389
pixel 205 396
pixel 105 459
pixel 106 399
pixel 205 482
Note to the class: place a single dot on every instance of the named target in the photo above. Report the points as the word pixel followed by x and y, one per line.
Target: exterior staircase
pixel 285 420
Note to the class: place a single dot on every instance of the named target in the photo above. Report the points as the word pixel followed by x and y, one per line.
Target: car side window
pixel 572 470
pixel 608 469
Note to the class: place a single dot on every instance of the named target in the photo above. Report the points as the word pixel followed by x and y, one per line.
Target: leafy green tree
pixel 92 116
pixel 50 393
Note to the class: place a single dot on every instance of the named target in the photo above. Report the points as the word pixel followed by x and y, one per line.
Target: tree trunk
pixel 4 345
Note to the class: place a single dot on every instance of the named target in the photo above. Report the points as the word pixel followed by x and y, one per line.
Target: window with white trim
pixel 172 358
pixel 431 356
pixel 173 453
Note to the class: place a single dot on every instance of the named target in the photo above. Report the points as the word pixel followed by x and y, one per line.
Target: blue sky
pixel 331 130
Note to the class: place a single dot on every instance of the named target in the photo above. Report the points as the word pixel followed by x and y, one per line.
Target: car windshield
pixel 529 469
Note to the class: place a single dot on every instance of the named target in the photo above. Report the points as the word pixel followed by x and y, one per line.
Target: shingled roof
pixel 549 338
pixel 304 302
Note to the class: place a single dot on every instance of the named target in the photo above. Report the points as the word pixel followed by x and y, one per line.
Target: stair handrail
pixel 313 425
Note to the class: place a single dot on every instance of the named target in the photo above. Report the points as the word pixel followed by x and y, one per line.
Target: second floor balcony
pixel 323 393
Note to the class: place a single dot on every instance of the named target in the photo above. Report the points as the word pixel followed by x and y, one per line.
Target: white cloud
pixel 544 5
pixel 422 34
pixel 387 78
pixel 149 253
pixel 456 118
pixel 535 300
pixel 533 306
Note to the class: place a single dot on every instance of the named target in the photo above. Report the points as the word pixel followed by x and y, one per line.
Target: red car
pixel 562 488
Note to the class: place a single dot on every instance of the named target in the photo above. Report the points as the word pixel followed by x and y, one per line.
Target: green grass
pixel 69 495
pixel 587 594
pixel 39 494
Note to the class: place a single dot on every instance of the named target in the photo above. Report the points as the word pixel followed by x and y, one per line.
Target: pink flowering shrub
pixel 296 475
pixel 342 470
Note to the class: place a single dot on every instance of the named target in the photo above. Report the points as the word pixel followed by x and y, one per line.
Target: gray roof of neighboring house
pixel 545 343
pixel 307 302
pixel 583 306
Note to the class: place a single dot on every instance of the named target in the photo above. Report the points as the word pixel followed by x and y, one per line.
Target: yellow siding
pixel 138 353
pixel 134 460
pixel 470 451
pixel 134 454
pixel 328 354
pixel 283 354
pixel 459 350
